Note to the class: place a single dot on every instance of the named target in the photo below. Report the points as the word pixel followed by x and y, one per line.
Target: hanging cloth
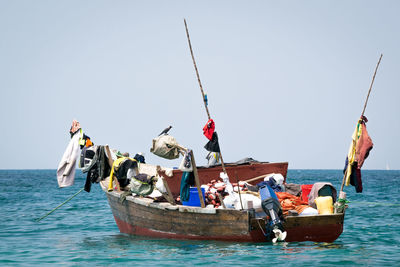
pixel 208 129
pixel 364 145
pixel 66 167
pixel 213 145
pixel 186 181
pixel 120 170
pixel 352 152
pixel 359 150
pixel 185 187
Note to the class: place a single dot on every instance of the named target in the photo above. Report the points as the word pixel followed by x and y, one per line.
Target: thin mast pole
pixel 201 87
pixel 362 114
pixel 370 87
pixel 197 72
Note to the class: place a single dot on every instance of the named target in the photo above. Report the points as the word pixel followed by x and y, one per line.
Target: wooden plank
pixel 256 178
pixel 169 197
pixel 196 178
pixel 109 157
pixel 221 199
pixel 110 162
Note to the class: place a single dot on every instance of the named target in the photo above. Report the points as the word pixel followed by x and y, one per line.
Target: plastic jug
pixel 324 205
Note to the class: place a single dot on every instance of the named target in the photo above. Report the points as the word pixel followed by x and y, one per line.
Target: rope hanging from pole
pixel 53 210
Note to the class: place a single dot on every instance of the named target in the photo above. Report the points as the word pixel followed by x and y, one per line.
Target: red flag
pixel 209 128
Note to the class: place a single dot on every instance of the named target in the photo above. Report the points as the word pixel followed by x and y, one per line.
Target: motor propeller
pixel 279 235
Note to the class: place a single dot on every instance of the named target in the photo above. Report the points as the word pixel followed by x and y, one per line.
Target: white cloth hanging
pixel 67 166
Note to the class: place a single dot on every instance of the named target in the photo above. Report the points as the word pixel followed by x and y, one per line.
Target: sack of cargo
pixel 186 163
pixel 165 146
pixel 142 184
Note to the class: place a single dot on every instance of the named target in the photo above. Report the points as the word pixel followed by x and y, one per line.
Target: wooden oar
pixel 201 88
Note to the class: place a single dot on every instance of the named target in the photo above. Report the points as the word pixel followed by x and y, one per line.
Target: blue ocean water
pixel 83 232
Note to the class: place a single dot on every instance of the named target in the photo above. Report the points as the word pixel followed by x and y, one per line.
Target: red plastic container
pixel 305 191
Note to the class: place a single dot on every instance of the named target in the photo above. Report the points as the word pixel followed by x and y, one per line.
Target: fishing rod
pixel 201 88
pixel 362 114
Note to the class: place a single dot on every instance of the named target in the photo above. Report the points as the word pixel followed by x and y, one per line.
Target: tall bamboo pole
pixel 370 87
pixel 201 88
pixel 362 114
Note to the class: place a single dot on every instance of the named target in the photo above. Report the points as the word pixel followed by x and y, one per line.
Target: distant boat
pixel 387 166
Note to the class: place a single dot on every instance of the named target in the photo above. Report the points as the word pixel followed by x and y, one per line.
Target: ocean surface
pixel 83 231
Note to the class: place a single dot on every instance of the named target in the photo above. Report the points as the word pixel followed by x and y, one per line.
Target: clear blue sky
pixel 286 80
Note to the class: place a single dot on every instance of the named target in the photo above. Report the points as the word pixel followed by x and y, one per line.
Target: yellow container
pixel 324 205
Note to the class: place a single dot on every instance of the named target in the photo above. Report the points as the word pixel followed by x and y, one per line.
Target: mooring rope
pixel 41 218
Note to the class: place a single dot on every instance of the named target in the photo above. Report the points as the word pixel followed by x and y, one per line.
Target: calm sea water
pixel 83 232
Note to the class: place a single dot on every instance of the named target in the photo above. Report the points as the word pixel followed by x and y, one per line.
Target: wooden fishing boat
pixel 144 217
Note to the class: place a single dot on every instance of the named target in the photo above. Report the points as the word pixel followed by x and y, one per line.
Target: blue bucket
pixel 194 199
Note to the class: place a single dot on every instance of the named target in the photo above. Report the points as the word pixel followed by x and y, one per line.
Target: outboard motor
pixel 272 207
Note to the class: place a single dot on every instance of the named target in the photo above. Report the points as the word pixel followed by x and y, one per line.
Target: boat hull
pixel 140 216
